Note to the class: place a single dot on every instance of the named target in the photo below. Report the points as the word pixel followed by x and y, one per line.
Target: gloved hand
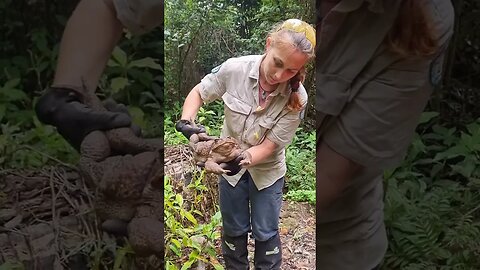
pixel 113 106
pixel 187 128
pixel 64 109
pixel 233 166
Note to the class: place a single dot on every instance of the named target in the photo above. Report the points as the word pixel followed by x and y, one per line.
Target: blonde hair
pixel 297 33
pixel 300 35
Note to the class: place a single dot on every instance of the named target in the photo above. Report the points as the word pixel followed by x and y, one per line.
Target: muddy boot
pixel 235 252
pixel 268 254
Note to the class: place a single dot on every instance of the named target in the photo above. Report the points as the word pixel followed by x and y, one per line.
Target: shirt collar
pixel 254 72
pixel 345 6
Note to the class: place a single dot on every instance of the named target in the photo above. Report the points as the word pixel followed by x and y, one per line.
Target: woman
pixel 264 102
pixel 377 64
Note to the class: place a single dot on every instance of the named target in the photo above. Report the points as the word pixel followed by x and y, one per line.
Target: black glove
pixel 233 166
pixel 64 109
pixel 113 106
pixel 187 128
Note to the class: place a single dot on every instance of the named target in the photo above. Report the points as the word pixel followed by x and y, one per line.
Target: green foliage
pixel 11 266
pixel 33 148
pixel 300 156
pixel 30 40
pixel 302 195
pixel 200 35
pixel 188 241
pixel 109 254
pixel 136 81
pixel 432 200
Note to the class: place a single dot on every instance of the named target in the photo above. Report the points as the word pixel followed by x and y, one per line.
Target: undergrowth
pixel 432 202
pixel 190 234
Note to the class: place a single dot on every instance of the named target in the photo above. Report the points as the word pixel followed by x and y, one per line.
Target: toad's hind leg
pixel 124 140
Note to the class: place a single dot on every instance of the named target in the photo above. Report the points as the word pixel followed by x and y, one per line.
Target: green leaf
pixel 120 56
pixel 176 243
pixel 118 84
pixel 112 63
pixel 175 250
pixel 179 199
pixel 146 62
pixel 15 94
pixel 466 167
pixel 454 151
pixel 190 217
pixel 170 266
pixel 120 256
pixel 188 264
pixel 435 169
pixel 2 111
pixel 137 116
pixel 12 83
pixel 217 266
pixel 196 246
pixel 427 116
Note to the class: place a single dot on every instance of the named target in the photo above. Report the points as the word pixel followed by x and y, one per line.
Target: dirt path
pixel 297 233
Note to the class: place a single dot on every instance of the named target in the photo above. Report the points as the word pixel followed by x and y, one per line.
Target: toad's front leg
pixel 247 158
pixel 212 166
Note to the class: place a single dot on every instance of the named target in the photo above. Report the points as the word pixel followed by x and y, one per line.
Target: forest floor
pixel 47 222
pixel 297 234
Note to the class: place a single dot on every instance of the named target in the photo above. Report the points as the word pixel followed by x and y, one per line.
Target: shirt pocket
pixel 236 114
pixel 332 93
pixel 256 133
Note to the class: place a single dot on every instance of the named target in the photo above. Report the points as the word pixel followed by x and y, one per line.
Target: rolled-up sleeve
pixel 213 85
pixel 377 126
pixel 284 129
pixel 282 133
pixel 140 16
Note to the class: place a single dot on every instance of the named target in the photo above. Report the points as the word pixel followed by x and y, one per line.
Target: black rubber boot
pixel 268 254
pixel 235 252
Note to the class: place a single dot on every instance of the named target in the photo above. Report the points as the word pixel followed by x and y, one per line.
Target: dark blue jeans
pixel 244 208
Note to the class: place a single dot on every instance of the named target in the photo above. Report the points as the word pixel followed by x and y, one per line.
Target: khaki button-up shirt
pixel 373 99
pixel 236 81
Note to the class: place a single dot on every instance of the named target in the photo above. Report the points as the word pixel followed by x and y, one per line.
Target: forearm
pixel 262 151
pixel 328 189
pixel 334 173
pixel 87 44
pixel 192 104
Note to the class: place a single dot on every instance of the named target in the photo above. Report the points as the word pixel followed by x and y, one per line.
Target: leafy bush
pixel 300 156
pixel 200 35
pixel 188 241
pixel 432 201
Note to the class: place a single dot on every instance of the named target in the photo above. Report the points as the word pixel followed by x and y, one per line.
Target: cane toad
pixel 120 165
pixel 211 151
pixel 122 140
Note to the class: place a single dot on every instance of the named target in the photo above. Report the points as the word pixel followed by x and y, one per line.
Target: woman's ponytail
pixel 412 34
pixel 294 102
